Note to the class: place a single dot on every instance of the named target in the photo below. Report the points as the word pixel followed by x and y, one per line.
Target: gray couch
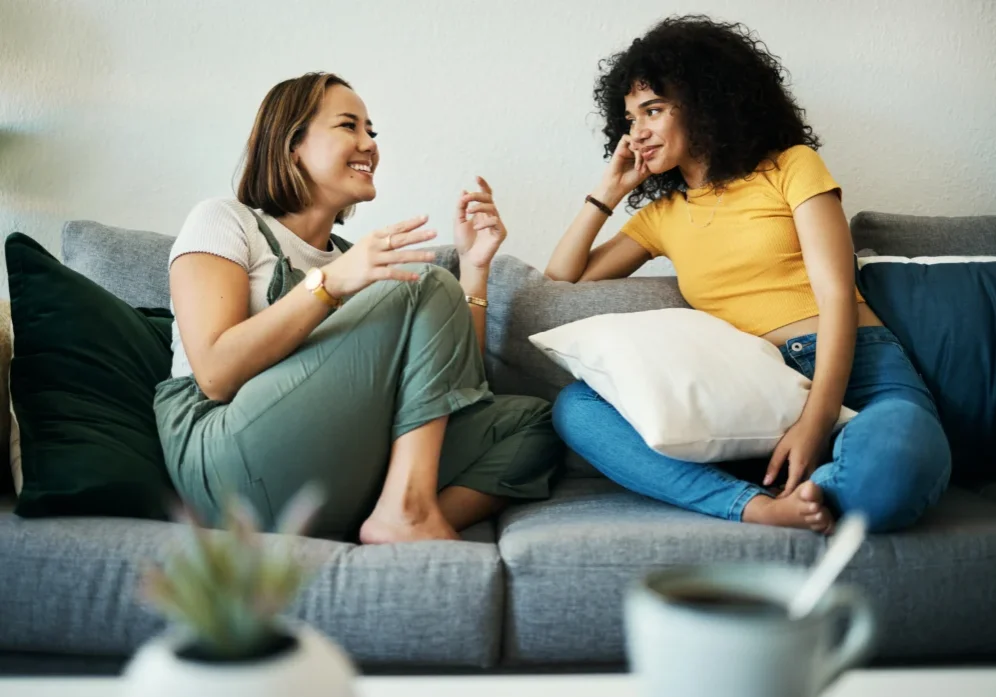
pixel 542 585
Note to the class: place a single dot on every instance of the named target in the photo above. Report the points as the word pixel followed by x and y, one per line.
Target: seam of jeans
pixel 736 511
pixel 835 465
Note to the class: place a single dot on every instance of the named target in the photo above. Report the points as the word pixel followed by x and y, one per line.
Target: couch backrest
pixel 132 264
pixel 522 301
pixel 924 236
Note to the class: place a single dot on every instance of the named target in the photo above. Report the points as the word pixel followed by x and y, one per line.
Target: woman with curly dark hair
pixel 704 139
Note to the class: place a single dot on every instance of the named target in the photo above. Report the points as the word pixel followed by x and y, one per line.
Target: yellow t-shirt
pixel 738 257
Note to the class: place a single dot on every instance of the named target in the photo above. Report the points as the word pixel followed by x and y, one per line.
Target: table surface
pixel 859 683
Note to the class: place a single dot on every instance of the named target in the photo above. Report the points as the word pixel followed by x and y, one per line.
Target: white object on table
pixel 858 683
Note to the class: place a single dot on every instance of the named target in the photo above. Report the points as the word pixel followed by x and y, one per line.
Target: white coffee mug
pixel 694 632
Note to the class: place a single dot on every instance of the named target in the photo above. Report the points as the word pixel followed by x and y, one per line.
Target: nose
pixel 638 130
pixel 366 143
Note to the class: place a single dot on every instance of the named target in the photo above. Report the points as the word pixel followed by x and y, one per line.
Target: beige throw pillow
pixel 694 387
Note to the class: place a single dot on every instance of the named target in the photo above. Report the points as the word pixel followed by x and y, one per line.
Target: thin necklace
pixel 688 210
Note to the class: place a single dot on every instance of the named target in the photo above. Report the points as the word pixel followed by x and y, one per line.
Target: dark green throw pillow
pixel 82 382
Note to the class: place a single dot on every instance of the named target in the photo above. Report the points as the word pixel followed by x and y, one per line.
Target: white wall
pixel 130 111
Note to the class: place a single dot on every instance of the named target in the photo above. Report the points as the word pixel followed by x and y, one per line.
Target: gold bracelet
pixel 481 302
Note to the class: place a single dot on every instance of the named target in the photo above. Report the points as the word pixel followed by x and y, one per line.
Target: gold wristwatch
pixel 314 281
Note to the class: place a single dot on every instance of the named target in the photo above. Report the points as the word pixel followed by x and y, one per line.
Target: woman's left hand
pixel 802 446
pixel 478 230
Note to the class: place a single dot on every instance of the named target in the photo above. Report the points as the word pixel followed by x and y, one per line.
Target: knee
pixel 572 410
pixel 897 463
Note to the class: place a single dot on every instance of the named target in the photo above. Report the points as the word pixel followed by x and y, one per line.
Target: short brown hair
pixel 271 181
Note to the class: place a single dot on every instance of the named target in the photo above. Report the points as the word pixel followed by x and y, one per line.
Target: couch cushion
pixel 569 560
pixel 82 379
pixel 69 586
pixel 133 264
pixel 943 311
pixel 924 236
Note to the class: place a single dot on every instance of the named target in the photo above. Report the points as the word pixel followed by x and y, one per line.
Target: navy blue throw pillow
pixel 943 311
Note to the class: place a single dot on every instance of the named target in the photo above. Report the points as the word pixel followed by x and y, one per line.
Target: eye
pixel 372 134
pixel 654 110
pixel 349 124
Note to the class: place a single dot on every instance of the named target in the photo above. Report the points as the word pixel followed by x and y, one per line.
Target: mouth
pixel 362 167
pixel 649 152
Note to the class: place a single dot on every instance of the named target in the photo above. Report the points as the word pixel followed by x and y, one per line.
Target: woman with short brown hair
pixel 299 357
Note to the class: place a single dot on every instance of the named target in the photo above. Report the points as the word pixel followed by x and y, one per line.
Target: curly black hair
pixel 730 89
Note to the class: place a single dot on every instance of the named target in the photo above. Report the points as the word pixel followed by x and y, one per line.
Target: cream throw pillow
pixel 693 386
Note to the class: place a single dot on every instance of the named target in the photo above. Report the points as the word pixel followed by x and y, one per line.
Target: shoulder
pixel 799 156
pixel 227 212
pixel 221 226
pixel 799 173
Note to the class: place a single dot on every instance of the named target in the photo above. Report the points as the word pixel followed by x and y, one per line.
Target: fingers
pixel 403 226
pixel 775 464
pixel 487 221
pixel 485 187
pixel 625 148
pixel 398 240
pixel 488 208
pixel 408 256
pixel 795 473
pixel 387 273
pixel 638 162
pixel 481 196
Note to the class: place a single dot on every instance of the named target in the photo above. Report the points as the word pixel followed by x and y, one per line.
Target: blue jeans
pixel 891 461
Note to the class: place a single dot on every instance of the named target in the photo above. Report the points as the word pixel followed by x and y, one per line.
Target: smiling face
pixel 338 152
pixel 656 129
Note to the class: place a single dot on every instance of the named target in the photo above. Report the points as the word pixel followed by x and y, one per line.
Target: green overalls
pixel 394 357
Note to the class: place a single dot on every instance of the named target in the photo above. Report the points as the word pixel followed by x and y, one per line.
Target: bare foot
pixel 803 508
pixel 405 524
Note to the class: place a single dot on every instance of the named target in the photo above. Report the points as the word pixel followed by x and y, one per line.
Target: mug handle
pixel 857 642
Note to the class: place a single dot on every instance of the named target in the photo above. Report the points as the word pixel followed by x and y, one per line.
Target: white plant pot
pixel 316 667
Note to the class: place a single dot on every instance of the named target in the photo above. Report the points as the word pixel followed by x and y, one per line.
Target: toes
pixel 821 522
pixel 808 491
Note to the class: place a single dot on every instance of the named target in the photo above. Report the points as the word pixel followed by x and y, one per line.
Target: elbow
pixel 217 388
pixel 557 275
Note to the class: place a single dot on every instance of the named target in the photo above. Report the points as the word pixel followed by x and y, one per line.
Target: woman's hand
pixel 626 170
pixel 803 445
pixel 374 256
pixel 478 230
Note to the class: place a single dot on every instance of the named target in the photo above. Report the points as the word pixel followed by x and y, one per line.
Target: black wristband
pixel 598 204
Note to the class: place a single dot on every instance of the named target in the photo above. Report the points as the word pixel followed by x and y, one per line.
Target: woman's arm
pixel 474 281
pixel 226 348
pixel 478 232
pixel 573 259
pixel 224 345
pixel 828 253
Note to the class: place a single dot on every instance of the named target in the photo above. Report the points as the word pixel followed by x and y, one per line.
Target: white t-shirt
pixel 228 229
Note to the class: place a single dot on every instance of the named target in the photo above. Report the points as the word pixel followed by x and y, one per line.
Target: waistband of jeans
pixel 865 335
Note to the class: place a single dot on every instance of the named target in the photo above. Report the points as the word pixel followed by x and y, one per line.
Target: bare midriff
pixel 810 325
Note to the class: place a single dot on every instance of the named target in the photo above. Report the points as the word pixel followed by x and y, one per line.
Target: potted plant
pixel 222 593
